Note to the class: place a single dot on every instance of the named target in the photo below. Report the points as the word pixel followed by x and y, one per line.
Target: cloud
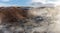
pixel 7 5
pixel 5 0
pixel 56 2
pixel 43 1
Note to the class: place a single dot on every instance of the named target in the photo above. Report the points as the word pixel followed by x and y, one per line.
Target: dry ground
pixel 32 20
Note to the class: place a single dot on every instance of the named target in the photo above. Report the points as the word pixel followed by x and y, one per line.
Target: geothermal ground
pixel 30 19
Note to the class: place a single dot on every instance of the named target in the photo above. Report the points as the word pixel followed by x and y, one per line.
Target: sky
pixel 14 2
pixel 26 2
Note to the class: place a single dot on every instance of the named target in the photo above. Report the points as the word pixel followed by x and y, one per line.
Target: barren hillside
pixel 30 19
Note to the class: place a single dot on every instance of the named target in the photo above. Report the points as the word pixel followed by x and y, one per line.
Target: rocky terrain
pixel 30 19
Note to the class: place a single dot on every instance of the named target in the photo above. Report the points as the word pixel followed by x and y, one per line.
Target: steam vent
pixel 30 19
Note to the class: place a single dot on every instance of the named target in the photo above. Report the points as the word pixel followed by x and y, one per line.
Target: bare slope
pixel 30 19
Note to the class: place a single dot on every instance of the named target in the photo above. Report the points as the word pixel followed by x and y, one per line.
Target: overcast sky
pixel 26 2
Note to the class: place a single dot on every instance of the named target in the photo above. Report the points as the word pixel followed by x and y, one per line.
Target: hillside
pixel 29 19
